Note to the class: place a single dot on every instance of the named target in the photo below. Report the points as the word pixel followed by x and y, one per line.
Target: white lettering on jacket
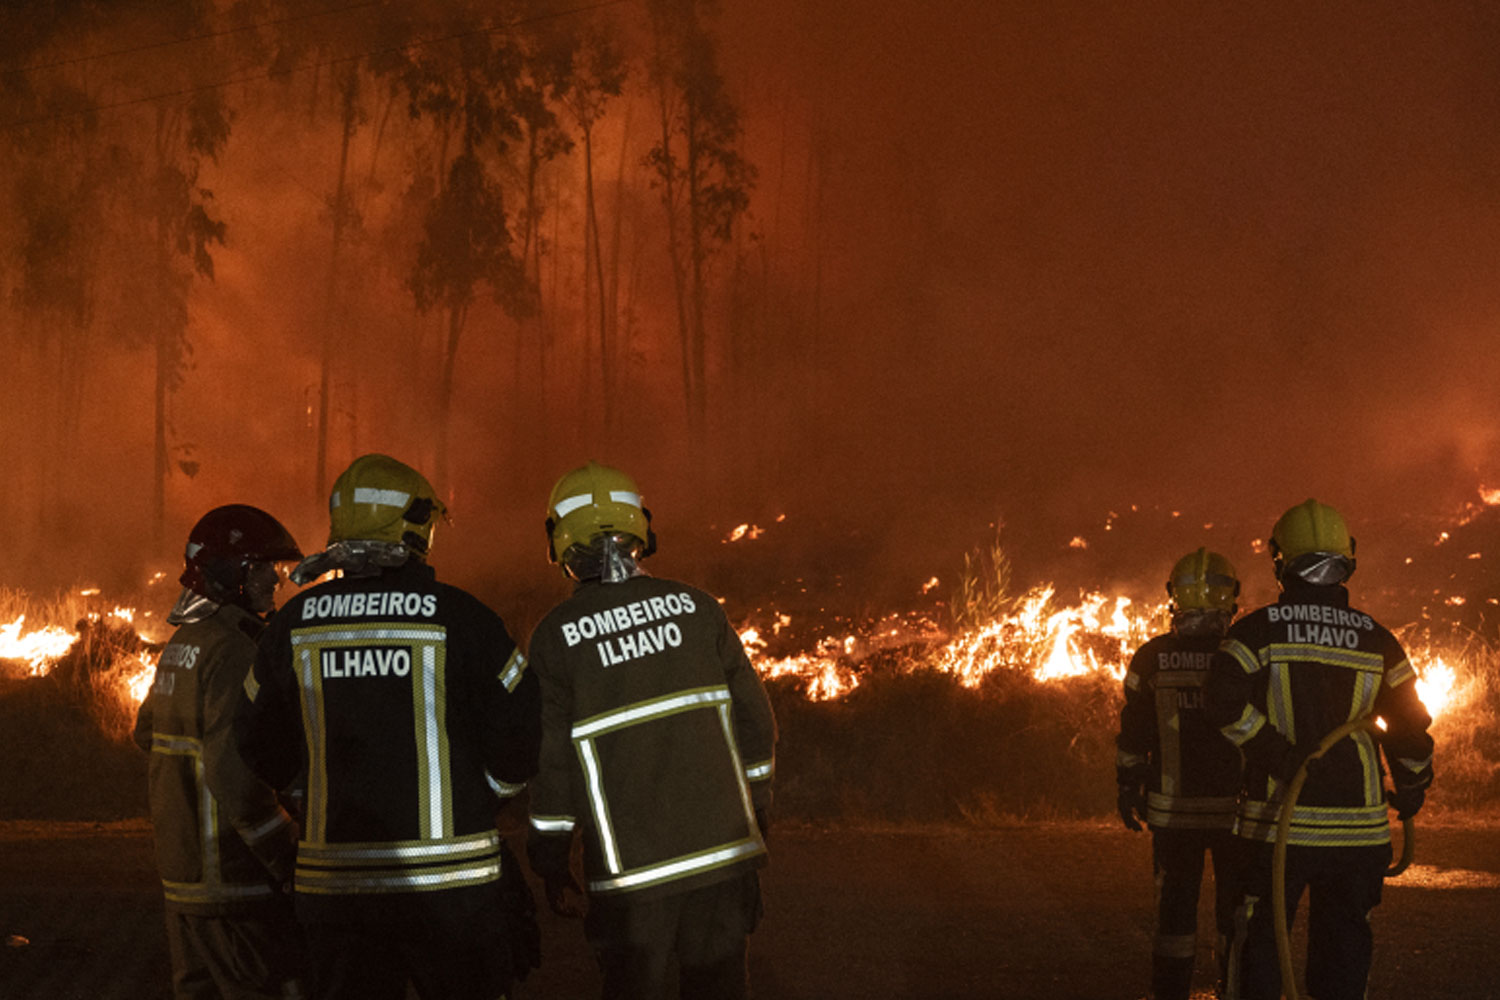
pixel 627 616
pixel 633 646
pixel 367 661
pixel 379 604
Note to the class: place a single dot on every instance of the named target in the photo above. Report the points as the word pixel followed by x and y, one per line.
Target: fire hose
pixel 1283 830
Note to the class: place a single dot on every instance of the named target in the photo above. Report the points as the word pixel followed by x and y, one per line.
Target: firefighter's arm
pixel 1234 701
pixel 511 726
pixel 250 803
pixel 754 721
pixel 267 726
pixel 1407 745
pixel 1137 734
pixel 144 726
pixel 549 844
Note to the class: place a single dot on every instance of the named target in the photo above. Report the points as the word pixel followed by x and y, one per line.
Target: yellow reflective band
pixel 252 686
pixel 654 708
pixel 1126 759
pixel 503 789
pixel 590 759
pixel 175 745
pixel 1400 674
pixel 311 880
pixel 1244 729
pixel 689 864
pixel 756 772
pixel 1241 654
pixel 1132 681
pixel 311 691
pixel 256 834
pixel 514 668
pixel 200 892
pixel 1411 764
pixel 363 853
pixel 1181 678
pixel 370 633
pixel 380 497
pixel 553 824
pixel 1332 656
pixel 568 505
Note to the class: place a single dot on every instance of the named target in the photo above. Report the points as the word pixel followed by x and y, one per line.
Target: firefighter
pixel 224 844
pixel 657 747
pixel 1286 676
pixel 1177 773
pixel 411 713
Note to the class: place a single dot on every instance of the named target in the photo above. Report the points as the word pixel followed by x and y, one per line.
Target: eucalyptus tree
pixel 704 180
pixel 115 115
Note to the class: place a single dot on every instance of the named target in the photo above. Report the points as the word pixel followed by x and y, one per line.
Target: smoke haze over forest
pixel 1035 261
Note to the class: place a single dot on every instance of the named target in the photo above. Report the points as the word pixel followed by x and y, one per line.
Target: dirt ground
pixel 1047 911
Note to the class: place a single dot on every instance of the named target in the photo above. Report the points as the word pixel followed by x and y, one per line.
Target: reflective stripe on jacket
pixel 411 712
pixel 658 737
pixel 1192 773
pixel 218 828
pixel 1289 674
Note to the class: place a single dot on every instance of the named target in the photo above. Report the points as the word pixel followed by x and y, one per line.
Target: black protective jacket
pixel 658 737
pixel 1289 674
pixel 1190 771
pixel 220 831
pixel 409 709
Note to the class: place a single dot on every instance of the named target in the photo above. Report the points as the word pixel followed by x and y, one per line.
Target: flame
pixel 930 585
pixel 1436 685
pixel 40 648
pixel 37 647
pixel 747 530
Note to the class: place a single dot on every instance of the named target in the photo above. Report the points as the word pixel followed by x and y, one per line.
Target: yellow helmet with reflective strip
pixel 382 500
pixel 1312 541
pixel 1203 581
pixel 596 500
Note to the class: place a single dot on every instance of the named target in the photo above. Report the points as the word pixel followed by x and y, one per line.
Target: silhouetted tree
pixel 705 182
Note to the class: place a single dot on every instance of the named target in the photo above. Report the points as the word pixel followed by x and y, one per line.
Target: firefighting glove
pixel 1407 801
pixel 1131 802
pixel 565 896
pixel 551 857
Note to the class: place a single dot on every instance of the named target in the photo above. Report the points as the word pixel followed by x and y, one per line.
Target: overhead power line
pixel 187 39
pixel 307 67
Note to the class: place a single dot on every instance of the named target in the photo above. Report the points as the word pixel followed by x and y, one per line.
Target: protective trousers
pixel 1343 885
pixel 704 928
pixel 467 959
pixel 247 957
pixel 1177 856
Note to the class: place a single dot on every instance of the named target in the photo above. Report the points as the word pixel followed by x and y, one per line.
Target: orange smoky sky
pixel 1034 261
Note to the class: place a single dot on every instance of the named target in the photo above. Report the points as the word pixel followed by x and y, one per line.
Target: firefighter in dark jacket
pixel 1176 772
pixel 657 746
pixel 411 713
pixel 224 844
pixel 1286 676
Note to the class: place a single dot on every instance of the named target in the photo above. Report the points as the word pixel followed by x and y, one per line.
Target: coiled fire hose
pixel 1283 830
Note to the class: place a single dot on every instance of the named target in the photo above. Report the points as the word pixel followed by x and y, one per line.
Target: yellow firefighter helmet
pixel 1312 541
pixel 382 500
pixel 1203 581
pixel 596 500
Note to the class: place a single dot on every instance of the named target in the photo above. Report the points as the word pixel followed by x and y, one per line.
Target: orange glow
pixel 43 646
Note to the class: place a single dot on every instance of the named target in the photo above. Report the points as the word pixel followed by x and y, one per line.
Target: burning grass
pixel 67 704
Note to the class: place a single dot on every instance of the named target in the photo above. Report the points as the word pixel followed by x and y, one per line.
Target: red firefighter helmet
pixel 225 543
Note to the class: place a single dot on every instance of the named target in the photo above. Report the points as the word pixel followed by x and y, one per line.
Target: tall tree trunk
pixel 696 252
pixel 591 239
pixel 164 359
pixel 674 251
pixel 331 318
pixel 457 316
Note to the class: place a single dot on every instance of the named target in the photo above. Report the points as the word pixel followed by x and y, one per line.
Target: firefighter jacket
pixel 657 737
pixel 220 832
pixel 1289 674
pixel 1191 773
pixel 410 709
